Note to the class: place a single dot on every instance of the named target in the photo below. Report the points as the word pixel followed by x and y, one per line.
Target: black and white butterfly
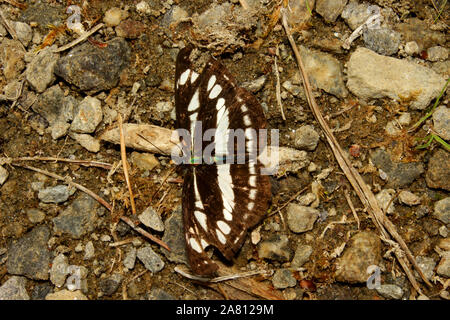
pixel 220 201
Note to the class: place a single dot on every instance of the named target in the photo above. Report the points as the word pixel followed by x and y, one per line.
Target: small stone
pixel 441 122
pixel 164 106
pixel 40 70
pixel 160 294
pixel 301 256
pixel 41 290
pixel 174 239
pixel 384 198
pixel 144 161
pixel 301 218
pixel 382 40
pixel 87 141
pixel 438 173
pixel 57 194
pixel 11 58
pixel 306 138
pixel 89 251
pixel 151 219
pixel 105 238
pixel 408 198
pixel 150 259
pixel 275 248
pixel 66 295
pixel 3 175
pixel 59 270
pixel 14 289
pixel 307 199
pixel 442 210
pixel 437 53
pixel 130 258
pixel 443 231
pixel 255 85
pixel 114 16
pixel 283 279
pixel 130 29
pixel 355 14
pixel 143 7
pixel 330 10
pixel 411 48
pixel 443 267
pixel 427 265
pixel 390 291
pixel 79 248
pixel 88 117
pixel 405 119
pixel 110 284
pixel 23 31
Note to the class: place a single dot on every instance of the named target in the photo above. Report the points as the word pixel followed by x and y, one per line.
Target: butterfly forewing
pixel 221 201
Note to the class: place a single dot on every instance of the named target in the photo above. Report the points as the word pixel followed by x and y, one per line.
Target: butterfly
pixel 221 201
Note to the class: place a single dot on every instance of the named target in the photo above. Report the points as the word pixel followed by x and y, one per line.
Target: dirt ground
pixel 251 54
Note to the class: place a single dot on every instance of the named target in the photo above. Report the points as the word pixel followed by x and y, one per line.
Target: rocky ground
pixel 57 242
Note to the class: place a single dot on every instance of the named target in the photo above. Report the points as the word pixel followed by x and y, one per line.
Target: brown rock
pixel 438 173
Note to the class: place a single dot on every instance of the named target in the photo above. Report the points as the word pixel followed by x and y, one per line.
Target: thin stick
pixel 289 201
pixel 123 155
pixel 86 163
pixel 143 232
pixel 11 30
pixel 366 196
pixel 82 38
pixel 278 89
pixel 350 204
pixel 244 4
pixel 121 243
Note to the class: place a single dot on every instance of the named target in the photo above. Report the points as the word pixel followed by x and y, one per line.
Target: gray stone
pixel 384 198
pixel 14 289
pixel 56 194
pixel 398 174
pixel 301 218
pixel 355 14
pixel 408 198
pixel 44 14
pixel 59 270
pixel 306 138
pixel 23 31
pixel 283 279
pixel 3 175
pixel 426 264
pixel 438 173
pixel 363 251
pixel 255 85
pixel 441 122
pixel 373 76
pixel 150 259
pixel 275 248
pixel 301 256
pixel 411 48
pixel 110 284
pixel 442 210
pixel 66 295
pixel 39 71
pixel 94 69
pixel 175 15
pixel 89 251
pixel 11 58
pixel 325 71
pixel 330 9
pixel 160 294
pixel 88 117
pixel 390 291
pixel 174 238
pixel 437 53
pixel 443 267
pixel 130 258
pixel 41 290
pixel 29 256
pixel 151 219
pixel 382 40
pixel 78 218
pixel 87 141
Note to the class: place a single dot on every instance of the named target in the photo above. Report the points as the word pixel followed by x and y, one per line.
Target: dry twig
pixel 83 37
pixel 125 166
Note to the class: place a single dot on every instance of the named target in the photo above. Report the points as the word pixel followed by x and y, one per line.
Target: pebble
pixel 443 267
pixel 255 85
pixel 11 58
pixel 437 53
pixel 29 255
pixel 276 248
pixel 40 70
pixel 59 270
pixel 89 251
pixel 105 238
pixel 110 284
pixel 355 14
pixel 408 198
pixel 307 199
pixel 441 122
pixel 330 10
pixel 160 294
pixel 174 16
pixel 426 264
pixel 41 290
pixel 301 218
pixel 94 69
pixel 79 248
pixel 150 259
pixel 114 16
pixel 130 29
pixel 398 174
pixel 130 258
pixel 442 210
pixel 79 218
pixel 23 31
pixel 56 194
pixel 363 251
pixel 3 175
pixel 411 48
pixel 384 198
pixel 293 89
pixel 283 279
pixel 14 289
pixel 443 231
pixel 298 13
pixel 306 138
pixel 144 161
pixel 151 219
pixel 405 119
pixel 390 291
pixel 301 256
pixel 373 76
pixel 143 7
pixel 383 41
pixel 173 237
pixel 87 141
pixel 88 117
pixel 325 71
pixel 66 295
pixel 438 173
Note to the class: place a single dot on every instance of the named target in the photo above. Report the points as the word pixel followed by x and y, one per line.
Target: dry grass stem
pixel 82 38
pixel 125 165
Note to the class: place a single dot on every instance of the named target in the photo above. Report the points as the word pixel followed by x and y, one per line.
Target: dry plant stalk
pixel 83 37
pixel 125 165
pixel 384 225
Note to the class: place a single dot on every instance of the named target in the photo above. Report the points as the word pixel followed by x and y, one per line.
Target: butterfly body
pixel 221 199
